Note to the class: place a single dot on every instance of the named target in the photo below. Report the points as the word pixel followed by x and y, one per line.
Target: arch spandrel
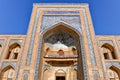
pixel 102 42
pixel 3 69
pixel 12 42
pixel 5 64
pixel 109 64
pixel 69 21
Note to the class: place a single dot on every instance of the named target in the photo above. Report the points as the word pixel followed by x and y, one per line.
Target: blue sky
pixel 15 15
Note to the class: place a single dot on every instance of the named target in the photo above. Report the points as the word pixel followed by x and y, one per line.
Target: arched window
pixel 60 52
pixel 108 51
pixel 60 75
pixel 48 49
pixel 114 73
pixel 7 73
pixel 13 51
pixel 74 51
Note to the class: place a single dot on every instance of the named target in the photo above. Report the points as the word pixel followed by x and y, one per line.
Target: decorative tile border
pixel 29 54
pixel 38 59
pixel 20 63
pixel 91 48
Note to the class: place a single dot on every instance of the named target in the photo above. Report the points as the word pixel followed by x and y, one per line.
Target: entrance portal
pixel 60 77
pixel 61 55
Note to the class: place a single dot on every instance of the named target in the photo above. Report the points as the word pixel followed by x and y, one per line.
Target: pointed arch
pixel 116 69
pixel 13 51
pixel 109 51
pixel 14 45
pixel 7 73
pixel 109 46
pixel 114 73
pixel 74 50
pixel 62 27
pixel 60 52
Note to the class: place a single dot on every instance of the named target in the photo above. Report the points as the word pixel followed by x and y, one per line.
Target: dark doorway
pixel 60 77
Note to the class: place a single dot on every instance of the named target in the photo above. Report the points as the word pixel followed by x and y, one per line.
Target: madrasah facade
pixel 60 45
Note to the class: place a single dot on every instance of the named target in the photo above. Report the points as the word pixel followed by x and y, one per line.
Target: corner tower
pixel 60 44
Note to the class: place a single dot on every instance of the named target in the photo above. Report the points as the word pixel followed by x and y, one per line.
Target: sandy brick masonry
pixel 60 45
